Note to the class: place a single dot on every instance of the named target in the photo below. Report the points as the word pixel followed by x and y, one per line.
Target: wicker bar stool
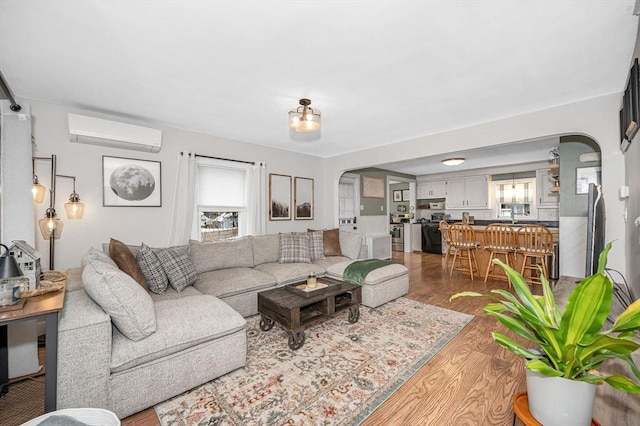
pixel 500 241
pixel 446 239
pixel 535 243
pixel 463 239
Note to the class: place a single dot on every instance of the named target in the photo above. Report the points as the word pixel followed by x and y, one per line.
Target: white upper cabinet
pixel 432 189
pixel 468 193
pixel 546 198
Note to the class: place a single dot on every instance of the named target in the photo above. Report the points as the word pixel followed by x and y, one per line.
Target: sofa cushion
pixel 126 261
pixel 235 253
pixel 331 242
pixel 232 281
pixel 350 244
pixel 182 323
pixel 266 248
pixel 331 260
pixel 172 293
pixel 374 277
pixel 151 267
pixel 127 303
pixel 294 248
pixel 289 273
pixel 96 255
pixel 177 265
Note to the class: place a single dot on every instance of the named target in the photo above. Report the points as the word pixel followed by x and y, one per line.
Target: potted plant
pixel 569 346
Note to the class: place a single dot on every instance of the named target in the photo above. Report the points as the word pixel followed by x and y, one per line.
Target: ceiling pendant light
pixel 304 118
pixel 453 161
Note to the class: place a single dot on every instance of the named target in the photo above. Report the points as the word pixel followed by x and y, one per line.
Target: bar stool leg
pixel 490 265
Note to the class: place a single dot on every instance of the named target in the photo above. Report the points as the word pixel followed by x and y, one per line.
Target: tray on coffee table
pixel 301 289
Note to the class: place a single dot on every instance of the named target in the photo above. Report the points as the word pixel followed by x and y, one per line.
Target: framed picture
pixel 279 197
pixel 397 195
pixel 402 208
pixel 585 176
pixel 303 198
pixel 405 195
pixel 127 182
pixel 372 187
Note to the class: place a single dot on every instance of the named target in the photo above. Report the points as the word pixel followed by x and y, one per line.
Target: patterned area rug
pixel 341 375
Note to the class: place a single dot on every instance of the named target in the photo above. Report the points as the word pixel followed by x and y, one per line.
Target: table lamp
pixel 11 278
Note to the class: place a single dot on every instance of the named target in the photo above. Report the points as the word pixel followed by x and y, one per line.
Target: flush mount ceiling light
pixel 304 118
pixel 453 161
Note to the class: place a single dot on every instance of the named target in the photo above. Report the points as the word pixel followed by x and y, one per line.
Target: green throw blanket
pixel 357 271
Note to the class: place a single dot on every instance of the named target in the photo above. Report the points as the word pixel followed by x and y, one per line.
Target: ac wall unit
pixel 96 131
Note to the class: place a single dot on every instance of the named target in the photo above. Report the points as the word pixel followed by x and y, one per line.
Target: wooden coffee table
pixel 296 310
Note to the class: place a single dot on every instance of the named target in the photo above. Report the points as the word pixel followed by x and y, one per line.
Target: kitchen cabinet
pixel 546 198
pixel 432 189
pixel 468 193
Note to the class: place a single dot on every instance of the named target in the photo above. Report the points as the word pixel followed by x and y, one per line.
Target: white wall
pixel 141 224
pixel 596 118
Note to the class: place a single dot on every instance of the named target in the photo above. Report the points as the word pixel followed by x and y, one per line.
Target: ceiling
pixel 380 71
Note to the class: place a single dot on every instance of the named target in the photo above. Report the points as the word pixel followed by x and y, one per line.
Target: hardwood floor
pixel 471 381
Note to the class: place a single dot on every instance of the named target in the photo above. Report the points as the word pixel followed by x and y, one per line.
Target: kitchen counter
pixel 483 223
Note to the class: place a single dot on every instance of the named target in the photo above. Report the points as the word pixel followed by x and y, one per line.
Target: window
pixel 348 197
pixel 222 200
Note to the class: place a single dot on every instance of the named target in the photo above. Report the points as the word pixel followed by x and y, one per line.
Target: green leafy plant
pixel 570 344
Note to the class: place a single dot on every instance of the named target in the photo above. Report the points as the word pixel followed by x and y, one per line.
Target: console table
pixel 47 307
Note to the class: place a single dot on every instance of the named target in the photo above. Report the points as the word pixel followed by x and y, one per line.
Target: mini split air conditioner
pixel 96 131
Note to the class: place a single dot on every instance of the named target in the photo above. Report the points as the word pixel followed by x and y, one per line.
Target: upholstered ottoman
pixel 380 285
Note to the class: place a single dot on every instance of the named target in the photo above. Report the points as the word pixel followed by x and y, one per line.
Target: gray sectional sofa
pixel 124 348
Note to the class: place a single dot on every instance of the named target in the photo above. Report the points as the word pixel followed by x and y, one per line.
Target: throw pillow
pixel 350 244
pixel 151 267
pixel 331 242
pixel 316 246
pixel 177 266
pixel 126 261
pixel 129 305
pixel 294 248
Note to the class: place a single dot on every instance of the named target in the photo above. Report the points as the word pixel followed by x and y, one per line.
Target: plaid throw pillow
pixel 177 266
pixel 151 267
pixel 294 248
pixel 316 246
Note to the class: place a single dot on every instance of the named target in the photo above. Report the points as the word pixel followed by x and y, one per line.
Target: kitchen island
pixel 482 255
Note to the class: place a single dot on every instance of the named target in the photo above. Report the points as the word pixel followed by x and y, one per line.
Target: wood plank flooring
pixel 472 380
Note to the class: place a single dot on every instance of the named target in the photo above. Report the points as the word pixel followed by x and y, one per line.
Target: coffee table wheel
pixel 354 314
pixel 296 340
pixel 266 323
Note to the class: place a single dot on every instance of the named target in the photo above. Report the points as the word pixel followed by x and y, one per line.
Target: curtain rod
pixel 7 90
pixel 224 159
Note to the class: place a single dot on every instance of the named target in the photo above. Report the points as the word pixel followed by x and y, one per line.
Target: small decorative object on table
pixel 11 278
pixel 49 281
pixel 312 281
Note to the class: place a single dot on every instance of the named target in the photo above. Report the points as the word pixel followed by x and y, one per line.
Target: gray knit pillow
pixel 177 265
pixel 294 248
pixel 151 267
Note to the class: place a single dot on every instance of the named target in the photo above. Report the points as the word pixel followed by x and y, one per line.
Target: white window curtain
pixel 256 199
pixel 184 215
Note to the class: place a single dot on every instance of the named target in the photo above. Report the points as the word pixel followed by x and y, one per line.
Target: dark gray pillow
pixel 177 266
pixel 152 270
